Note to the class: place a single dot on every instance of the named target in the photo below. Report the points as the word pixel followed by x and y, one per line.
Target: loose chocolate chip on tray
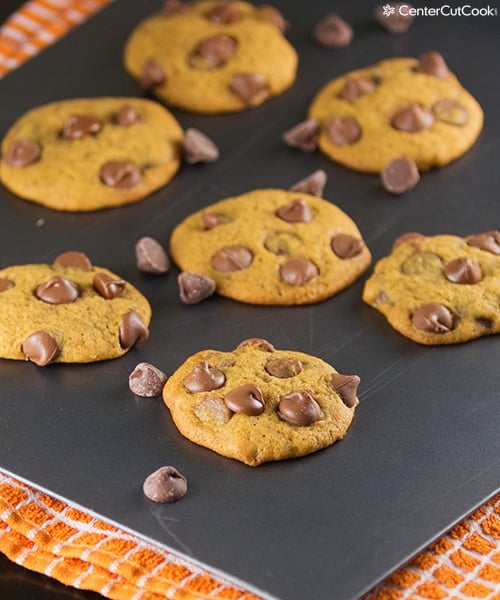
pixel 146 380
pixel 73 259
pixel 488 241
pixel 246 399
pixel 152 75
pixel 299 408
pixel 174 7
pixel 151 257
pixel 343 131
pixel 298 271
pixel 225 14
pixel 333 32
pixel 204 378
pixel 40 347
pixel 450 111
pixel 57 290
pixel 165 485
pixel 463 270
pixel 347 246
pixel 21 153
pixel 194 288
pixel 400 175
pixel 211 220
pixel 413 118
pixel 313 184
pixel 132 330
pixel 393 18
pixel 346 387
pixel 433 318
pixel 199 148
pixel 120 174
pixel 213 52
pixel 232 258
pixel 108 287
pixel 261 343
pixel 5 284
pixel 283 367
pixel 251 88
pixel 78 126
pixel 297 211
pixel 273 15
pixel 355 87
pixel 128 115
pixel 303 136
pixel 432 63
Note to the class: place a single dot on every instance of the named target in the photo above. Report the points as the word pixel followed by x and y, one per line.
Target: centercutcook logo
pixel 465 10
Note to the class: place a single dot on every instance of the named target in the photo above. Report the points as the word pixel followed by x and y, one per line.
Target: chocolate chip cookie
pixel 439 289
pixel 258 404
pixel 70 311
pixel 401 107
pixel 88 154
pixel 212 56
pixel 272 247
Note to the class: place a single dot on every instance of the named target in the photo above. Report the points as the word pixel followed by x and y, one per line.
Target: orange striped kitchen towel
pixel 37 24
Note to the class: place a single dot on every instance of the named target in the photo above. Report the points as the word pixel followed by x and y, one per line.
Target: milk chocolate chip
pixel 283 367
pixel 22 153
pixel 298 271
pixel 333 32
pixel 246 399
pixel 57 290
pixel 299 408
pixel 225 14
pixel 313 184
pixel 211 220
pixel 390 17
pixel 120 174
pixel 343 131
pixel 128 115
pixel 232 258
pixel 174 7
pixel 261 343
pixel 432 63
pixel 346 387
pixel 73 259
pixel 488 241
pixel 303 136
pixel 463 270
pixel 272 14
pixel 40 347
pixel 451 112
pixel 199 148
pixel 132 330
pixel 204 378
pixel 151 257
pixel 78 126
pixel 165 485
pixel 410 236
pixel 297 211
pixel 347 246
pixel 5 284
pixel 355 87
pixel 152 75
pixel 251 88
pixel 108 287
pixel 433 318
pixel 213 52
pixel 194 288
pixel 412 119
pixel 400 175
pixel 146 380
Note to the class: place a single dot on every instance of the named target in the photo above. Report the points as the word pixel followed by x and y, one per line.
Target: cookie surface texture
pixel 232 403
pixel 56 313
pixel 371 116
pixel 272 247
pixel 90 154
pixel 439 289
pixel 212 57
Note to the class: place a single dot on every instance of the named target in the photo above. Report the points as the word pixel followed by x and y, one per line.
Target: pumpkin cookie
pixel 69 312
pixel 212 57
pixel 439 289
pixel 398 107
pixel 88 154
pixel 258 404
pixel 272 247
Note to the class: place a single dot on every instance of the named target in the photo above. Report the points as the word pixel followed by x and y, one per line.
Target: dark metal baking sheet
pixel 423 449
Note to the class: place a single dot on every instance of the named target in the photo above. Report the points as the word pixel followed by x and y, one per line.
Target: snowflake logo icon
pixel 388 10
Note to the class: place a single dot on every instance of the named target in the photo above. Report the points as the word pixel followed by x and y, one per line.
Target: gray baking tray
pixel 423 449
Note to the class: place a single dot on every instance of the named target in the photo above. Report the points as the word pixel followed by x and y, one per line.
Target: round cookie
pixel 89 154
pixel 439 289
pixel 398 107
pixel 212 57
pixel 258 404
pixel 70 312
pixel 272 247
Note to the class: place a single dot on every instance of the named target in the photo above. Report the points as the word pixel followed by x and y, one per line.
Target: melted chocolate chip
pixel 174 7
pixel 397 21
pixel 231 259
pixel 22 153
pixel 432 63
pixel 412 119
pixel 400 175
pixel 303 136
pixel 128 115
pixel 422 263
pixel 488 241
pixel 78 126
pixel 283 242
pixel 225 14
pixel 313 184
pixel 299 408
pixel 433 318
pixel 40 347
pixel 347 246
pixel 152 75
pixel 356 87
pixel 132 330
pixel 298 271
pixel 57 290
pixel 165 485
pixel 343 131
pixel 272 14
pixel 333 32
pixel 213 410
pixel 259 342
pixel 213 52
pixel 485 322
pixel 211 220
pixel 151 257
pixel 251 88
pixel 346 387
pixel 120 174
pixel 199 148
pixel 73 259
pixel 283 367
pixel 297 211
pixel 5 284
pixel 194 288
pixel 246 400
pixel 451 112
pixel 107 286
pixel 410 236
pixel 463 270
pixel 146 380
pixel 204 378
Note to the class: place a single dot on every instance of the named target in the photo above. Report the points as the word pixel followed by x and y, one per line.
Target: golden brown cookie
pixel 439 289
pixel 212 57
pixel 398 107
pixel 69 312
pixel 272 247
pixel 88 154
pixel 257 404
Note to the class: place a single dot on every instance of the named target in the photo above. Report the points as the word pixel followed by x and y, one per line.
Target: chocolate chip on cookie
pixel 204 378
pixel 343 131
pixel 413 118
pixel 6 284
pixel 78 126
pixel 57 290
pixel 40 347
pixel 432 63
pixel 120 174
pixel 225 14
pixel 73 259
pixel 152 75
pixel 356 87
pixel 249 87
pixel 128 115
pixel 108 287
pixel 21 153
pixel 299 408
pixel 174 7
pixel 132 330
pixel 488 241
